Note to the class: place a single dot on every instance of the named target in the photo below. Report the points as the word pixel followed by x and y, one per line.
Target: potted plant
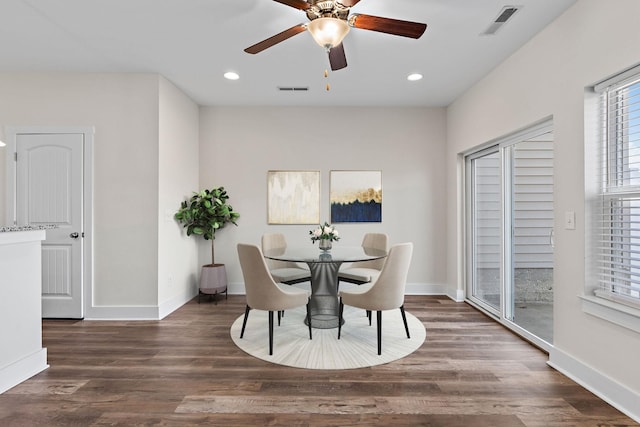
pixel 205 213
pixel 325 234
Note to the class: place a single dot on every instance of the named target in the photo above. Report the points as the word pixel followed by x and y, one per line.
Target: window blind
pixel 619 219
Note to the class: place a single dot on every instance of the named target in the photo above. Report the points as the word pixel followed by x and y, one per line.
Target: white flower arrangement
pixel 325 232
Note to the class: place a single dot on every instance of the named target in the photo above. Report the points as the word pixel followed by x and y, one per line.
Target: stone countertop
pixel 26 228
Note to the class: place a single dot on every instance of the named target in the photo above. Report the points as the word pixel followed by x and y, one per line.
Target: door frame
pixel 88 132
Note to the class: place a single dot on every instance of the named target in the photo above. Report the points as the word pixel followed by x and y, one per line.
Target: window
pixel 618 224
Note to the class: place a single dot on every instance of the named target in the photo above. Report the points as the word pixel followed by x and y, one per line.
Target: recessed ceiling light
pixel 414 77
pixel 231 75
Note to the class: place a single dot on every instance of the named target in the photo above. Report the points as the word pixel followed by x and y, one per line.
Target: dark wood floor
pixel 185 370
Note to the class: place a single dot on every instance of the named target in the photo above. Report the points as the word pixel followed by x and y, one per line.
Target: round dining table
pixel 324 265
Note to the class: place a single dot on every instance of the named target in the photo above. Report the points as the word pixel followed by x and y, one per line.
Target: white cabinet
pixel 21 352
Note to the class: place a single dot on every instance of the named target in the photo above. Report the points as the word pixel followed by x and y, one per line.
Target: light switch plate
pixel 570 220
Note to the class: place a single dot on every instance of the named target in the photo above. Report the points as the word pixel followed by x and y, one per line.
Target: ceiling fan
pixel 329 24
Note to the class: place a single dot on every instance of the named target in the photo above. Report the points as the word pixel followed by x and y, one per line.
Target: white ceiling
pixel 194 42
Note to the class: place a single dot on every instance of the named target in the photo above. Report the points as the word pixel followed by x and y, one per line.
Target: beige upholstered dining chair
pixel 385 293
pixel 285 272
pixel 365 271
pixel 265 294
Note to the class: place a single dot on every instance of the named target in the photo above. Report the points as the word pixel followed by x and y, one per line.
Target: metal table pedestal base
pixel 324 304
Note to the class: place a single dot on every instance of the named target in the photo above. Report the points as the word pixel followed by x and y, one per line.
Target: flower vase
pixel 325 244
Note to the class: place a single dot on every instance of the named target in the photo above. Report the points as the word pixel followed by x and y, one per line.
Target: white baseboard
pixel 424 289
pixel 172 304
pixel 615 394
pixel 237 288
pixel 457 296
pixel 147 312
pixel 23 369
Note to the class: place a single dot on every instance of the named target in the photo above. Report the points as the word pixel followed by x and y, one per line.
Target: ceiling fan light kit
pixel 329 24
pixel 328 32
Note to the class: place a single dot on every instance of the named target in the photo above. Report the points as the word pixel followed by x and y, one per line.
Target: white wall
pixel 123 108
pixel 177 179
pixel 547 77
pixel 239 146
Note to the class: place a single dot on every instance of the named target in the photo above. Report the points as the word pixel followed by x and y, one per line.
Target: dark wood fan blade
pixel 280 37
pixel 298 4
pixel 348 3
pixel 388 25
pixel 337 58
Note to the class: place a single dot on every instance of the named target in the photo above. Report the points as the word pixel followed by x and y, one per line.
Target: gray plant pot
pixel 213 281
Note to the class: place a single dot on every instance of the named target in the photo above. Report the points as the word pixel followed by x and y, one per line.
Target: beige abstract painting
pixel 293 197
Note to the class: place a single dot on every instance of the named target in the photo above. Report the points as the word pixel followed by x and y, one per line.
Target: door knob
pixel 74 235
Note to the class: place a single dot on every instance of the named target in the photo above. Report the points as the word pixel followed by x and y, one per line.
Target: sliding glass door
pixel 530 212
pixel 509 208
pixel 486 227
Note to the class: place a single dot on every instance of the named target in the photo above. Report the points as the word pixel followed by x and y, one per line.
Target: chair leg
pixel 270 333
pixel 369 316
pixel 340 318
pixel 244 322
pixel 379 319
pixel 279 315
pixel 404 319
pixel 309 321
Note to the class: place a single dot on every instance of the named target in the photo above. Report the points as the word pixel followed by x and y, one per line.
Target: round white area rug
pixel 357 347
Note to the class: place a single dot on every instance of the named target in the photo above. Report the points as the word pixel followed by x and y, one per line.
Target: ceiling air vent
pixel 505 14
pixel 293 88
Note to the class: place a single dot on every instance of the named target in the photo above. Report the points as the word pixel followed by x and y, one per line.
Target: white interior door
pixel 49 190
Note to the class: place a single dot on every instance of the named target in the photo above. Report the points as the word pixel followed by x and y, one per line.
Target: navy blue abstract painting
pixel 356 196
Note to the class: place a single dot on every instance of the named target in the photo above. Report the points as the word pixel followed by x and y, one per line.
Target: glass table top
pixel 313 254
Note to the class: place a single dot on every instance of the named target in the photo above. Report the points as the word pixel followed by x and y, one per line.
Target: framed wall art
pixel 293 197
pixel 356 196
